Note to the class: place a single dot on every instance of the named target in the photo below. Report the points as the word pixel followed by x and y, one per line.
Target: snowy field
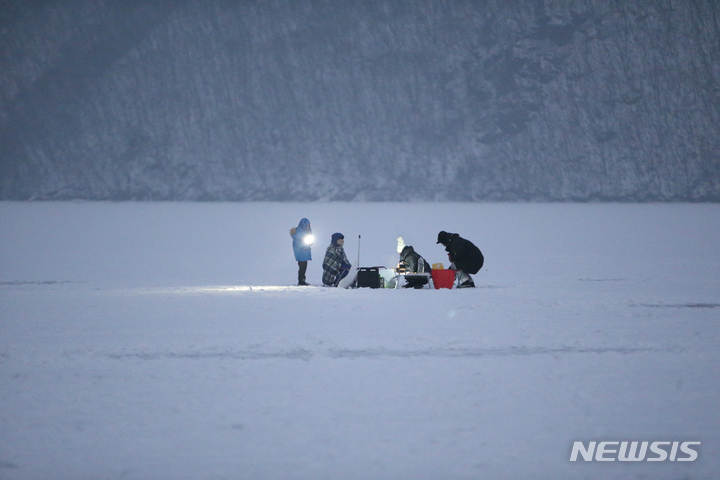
pixel 166 341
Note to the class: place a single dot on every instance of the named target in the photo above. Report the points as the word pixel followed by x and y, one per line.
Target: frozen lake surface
pixel 166 341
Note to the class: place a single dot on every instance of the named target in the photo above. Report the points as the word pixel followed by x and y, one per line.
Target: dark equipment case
pixel 369 277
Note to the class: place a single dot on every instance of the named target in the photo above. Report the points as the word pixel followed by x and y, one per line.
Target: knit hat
pixel 401 244
pixel 443 237
pixel 336 237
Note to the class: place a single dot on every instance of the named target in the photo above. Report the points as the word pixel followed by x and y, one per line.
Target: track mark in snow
pixel 489 352
pixel 683 305
pixel 302 354
pixel 291 355
pixel 602 279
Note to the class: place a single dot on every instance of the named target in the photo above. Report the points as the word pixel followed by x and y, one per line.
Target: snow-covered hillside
pixel 343 100
pixel 166 340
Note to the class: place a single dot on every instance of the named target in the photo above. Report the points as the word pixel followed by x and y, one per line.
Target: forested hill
pixel 576 100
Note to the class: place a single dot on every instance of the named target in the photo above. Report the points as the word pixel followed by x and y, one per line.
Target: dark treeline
pixel 463 100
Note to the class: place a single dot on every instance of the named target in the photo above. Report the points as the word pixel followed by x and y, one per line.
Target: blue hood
pixel 303 225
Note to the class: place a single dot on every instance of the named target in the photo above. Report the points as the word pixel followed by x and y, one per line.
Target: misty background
pixel 458 100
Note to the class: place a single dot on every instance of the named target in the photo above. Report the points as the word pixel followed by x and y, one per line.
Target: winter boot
pixel 463 279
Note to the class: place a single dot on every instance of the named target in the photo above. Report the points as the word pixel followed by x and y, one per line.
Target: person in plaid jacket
pixel 336 265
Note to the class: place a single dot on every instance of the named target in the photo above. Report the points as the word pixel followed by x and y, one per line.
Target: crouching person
pixel 412 262
pixel 466 258
pixel 336 265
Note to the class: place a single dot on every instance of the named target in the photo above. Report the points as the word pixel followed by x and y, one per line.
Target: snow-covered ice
pixel 166 341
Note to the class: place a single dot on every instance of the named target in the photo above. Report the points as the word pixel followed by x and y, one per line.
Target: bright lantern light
pixel 308 240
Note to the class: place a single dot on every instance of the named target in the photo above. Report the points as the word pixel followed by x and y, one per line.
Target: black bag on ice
pixel 368 277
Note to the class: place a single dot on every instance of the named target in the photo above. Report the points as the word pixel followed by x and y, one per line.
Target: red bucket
pixel 443 278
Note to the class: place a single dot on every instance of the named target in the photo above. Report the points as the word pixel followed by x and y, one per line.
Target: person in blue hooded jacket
pixel 302 238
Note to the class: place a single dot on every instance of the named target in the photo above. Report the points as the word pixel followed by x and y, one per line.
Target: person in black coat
pixel 466 258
